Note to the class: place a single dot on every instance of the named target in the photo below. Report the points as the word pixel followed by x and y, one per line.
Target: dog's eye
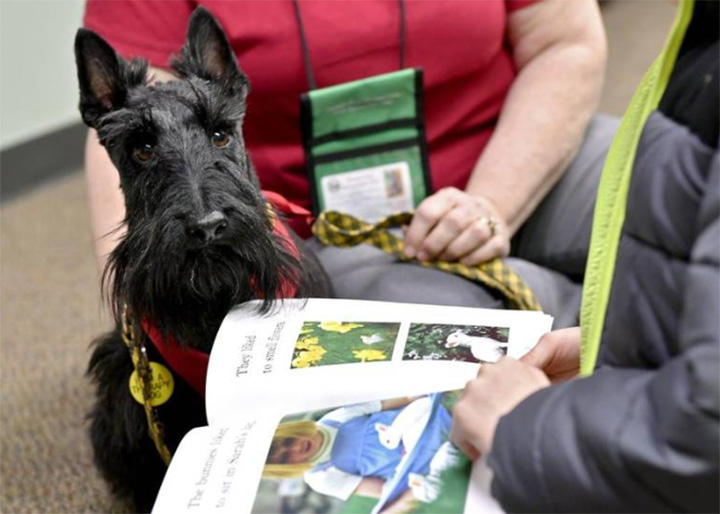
pixel 144 152
pixel 220 139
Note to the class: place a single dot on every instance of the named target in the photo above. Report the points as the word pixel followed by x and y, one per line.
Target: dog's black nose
pixel 207 228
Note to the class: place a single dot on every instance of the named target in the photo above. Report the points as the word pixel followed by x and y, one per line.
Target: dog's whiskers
pixel 193 285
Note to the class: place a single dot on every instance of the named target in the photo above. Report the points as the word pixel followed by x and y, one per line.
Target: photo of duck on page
pixel 370 457
pixel 468 343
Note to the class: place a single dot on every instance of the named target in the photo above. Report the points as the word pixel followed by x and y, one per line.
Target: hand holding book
pixel 497 389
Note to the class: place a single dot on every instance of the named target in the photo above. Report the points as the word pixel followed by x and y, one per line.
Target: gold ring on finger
pixel 491 224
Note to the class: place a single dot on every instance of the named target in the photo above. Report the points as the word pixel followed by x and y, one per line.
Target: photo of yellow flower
pixel 369 355
pixel 323 343
pixel 335 326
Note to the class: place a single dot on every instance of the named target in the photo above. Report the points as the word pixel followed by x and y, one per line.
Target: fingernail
pixel 409 252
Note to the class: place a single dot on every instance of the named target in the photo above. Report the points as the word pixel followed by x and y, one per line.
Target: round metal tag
pixel 162 385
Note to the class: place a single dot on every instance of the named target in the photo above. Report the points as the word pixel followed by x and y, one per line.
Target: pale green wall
pixel 38 85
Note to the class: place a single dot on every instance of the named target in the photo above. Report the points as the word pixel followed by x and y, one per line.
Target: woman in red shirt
pixel 510 87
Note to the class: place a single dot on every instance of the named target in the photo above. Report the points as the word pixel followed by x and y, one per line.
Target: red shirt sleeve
pixel 514 5
pixel 153 29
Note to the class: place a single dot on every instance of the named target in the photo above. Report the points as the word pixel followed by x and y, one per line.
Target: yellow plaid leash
pixel 339 229
pixel 138 353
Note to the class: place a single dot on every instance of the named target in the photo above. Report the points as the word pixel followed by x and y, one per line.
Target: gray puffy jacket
pixel 642 433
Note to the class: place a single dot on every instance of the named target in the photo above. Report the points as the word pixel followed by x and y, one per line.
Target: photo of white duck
pixel 482 348
pixel 407 427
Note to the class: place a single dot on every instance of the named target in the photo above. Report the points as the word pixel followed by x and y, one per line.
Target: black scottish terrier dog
pixel 200 238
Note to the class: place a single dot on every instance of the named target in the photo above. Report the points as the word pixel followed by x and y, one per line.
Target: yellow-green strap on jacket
pixel 612 195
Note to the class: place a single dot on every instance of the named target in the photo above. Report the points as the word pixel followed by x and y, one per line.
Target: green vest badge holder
pixel 365 147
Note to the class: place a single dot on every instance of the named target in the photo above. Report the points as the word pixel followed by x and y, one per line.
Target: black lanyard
pixel 306 52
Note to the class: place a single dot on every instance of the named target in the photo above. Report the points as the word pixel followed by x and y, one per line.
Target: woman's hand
pixel 557 354
pixel 453 225
pixel 497 389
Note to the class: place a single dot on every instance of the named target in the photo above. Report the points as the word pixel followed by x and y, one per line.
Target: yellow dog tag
pixel 162 385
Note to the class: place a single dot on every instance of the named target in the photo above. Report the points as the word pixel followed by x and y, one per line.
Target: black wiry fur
pixel 159 269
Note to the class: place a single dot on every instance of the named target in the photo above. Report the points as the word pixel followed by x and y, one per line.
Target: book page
pixel 314 354
pixel 373 457
pixel 216 469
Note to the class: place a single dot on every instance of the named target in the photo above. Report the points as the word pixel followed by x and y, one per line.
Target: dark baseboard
pixel 26 166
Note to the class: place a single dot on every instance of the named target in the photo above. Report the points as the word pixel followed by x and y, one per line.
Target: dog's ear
pixel 100 74
pixel 207 53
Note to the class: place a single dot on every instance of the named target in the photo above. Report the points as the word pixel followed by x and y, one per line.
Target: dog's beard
pixel 187 292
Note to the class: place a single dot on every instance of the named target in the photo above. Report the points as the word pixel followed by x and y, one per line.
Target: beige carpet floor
pixel 50 308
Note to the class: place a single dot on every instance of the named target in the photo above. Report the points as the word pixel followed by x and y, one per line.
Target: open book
pixel 341 406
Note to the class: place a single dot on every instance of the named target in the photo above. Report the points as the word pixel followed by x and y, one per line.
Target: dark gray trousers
pixel 548 252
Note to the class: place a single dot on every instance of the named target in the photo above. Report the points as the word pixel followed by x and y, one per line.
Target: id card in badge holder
pixel 365 146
